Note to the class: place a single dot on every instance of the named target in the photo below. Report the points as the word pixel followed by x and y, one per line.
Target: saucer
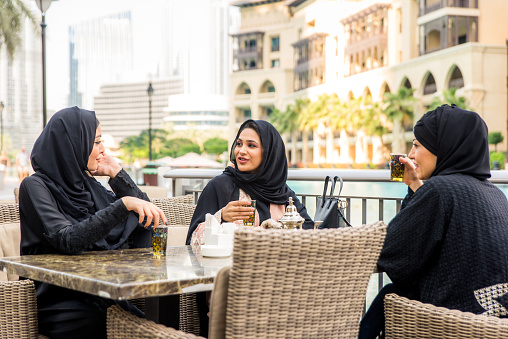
pixel 215 251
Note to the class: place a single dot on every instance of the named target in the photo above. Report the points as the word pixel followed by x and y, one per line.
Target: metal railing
pixel 199 177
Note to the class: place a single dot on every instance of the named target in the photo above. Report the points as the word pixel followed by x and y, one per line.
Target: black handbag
pixel 330 210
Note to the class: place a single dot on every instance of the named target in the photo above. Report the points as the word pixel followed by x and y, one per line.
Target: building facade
pixel 367 48
pixel 206 113
pixel 100 51
pixel 21 92
pixel 123 108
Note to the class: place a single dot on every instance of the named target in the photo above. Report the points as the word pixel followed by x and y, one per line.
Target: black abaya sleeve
pixel 44 229
pixel 123 186
pixel 414 235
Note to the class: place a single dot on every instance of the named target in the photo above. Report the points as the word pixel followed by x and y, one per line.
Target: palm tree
pixel 287 122
pixel 12 13
pixel 449 97
pixel 320 114
pixel 398 108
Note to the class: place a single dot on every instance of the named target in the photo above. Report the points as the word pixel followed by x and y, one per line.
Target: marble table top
pixel 122 274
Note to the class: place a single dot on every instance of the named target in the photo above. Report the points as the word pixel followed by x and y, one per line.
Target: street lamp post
pixel 43 6
pixel 149 91
pixel 1 125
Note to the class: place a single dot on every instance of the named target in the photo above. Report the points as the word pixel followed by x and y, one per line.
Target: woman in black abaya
pixel 447 246
pixel 63 209
pixel 259 172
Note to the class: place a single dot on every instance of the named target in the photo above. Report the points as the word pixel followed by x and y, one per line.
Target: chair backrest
pixel 155 191
pixel 10 238
pixel 10 235
pixel 299 284
pixel 183 199
pixel 9 213
pixel 177 213
pixel 16 195
pixel 405 318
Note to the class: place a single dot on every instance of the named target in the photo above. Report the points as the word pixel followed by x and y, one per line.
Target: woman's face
pixel 248 151
pixel 97 151
pixel 423 159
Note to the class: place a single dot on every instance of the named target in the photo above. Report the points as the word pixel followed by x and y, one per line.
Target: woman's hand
pixel 237 210
pixel 145 209
pixel 410 175
pixel 107 166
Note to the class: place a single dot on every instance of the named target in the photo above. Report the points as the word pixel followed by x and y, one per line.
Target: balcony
pixel 436 5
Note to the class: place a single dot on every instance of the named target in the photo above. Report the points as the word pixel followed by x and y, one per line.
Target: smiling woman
pixel 248 149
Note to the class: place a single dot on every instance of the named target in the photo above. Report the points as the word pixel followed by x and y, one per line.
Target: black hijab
pixel 269 183
pixel 458 138
pixel 60 158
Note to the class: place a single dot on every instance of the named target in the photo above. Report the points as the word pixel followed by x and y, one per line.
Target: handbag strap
pixel 335 178
pixel 338 197
pixel 328 178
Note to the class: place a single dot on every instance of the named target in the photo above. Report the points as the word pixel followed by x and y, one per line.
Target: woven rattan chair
pixel 16 195
pixel 291 284
pixel 178 213
pixel 9 213
pixel 18 310
pixel 405 319
pixel 183 199
pixel 122 324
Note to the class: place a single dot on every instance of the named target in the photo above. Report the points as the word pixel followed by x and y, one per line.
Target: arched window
pixel 366 93
pixel 430 85
pixel 406 83
pixel 267 87
pixel 456 79
pixel 243 89
pixel 384 89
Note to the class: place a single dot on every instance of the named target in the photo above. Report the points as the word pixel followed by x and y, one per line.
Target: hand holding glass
pixel 396 167
pixel 250 221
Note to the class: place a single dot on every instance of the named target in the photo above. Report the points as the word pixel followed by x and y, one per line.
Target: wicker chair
pixel 286 284
pixel 16 195
pixel 405 318
pixel 122 324
pixel 178 213
pixel 9 213
pixel 183 199
pixel 18 310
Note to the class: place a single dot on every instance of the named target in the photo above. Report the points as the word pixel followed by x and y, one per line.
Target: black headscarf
pixel 458 138
pixel 60 158
pixel 269 183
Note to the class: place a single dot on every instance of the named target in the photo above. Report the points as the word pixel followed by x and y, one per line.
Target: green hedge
pixel 499 157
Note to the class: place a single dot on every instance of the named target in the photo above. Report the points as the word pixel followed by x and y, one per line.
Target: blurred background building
pixel 21 92
pixel 293 49
pixel 100 52
pixel 122 107
pixel 245 59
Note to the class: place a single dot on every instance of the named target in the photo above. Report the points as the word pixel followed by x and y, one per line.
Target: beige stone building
pixel 291 49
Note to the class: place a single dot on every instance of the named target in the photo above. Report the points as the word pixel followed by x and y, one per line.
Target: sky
pixel 64 13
